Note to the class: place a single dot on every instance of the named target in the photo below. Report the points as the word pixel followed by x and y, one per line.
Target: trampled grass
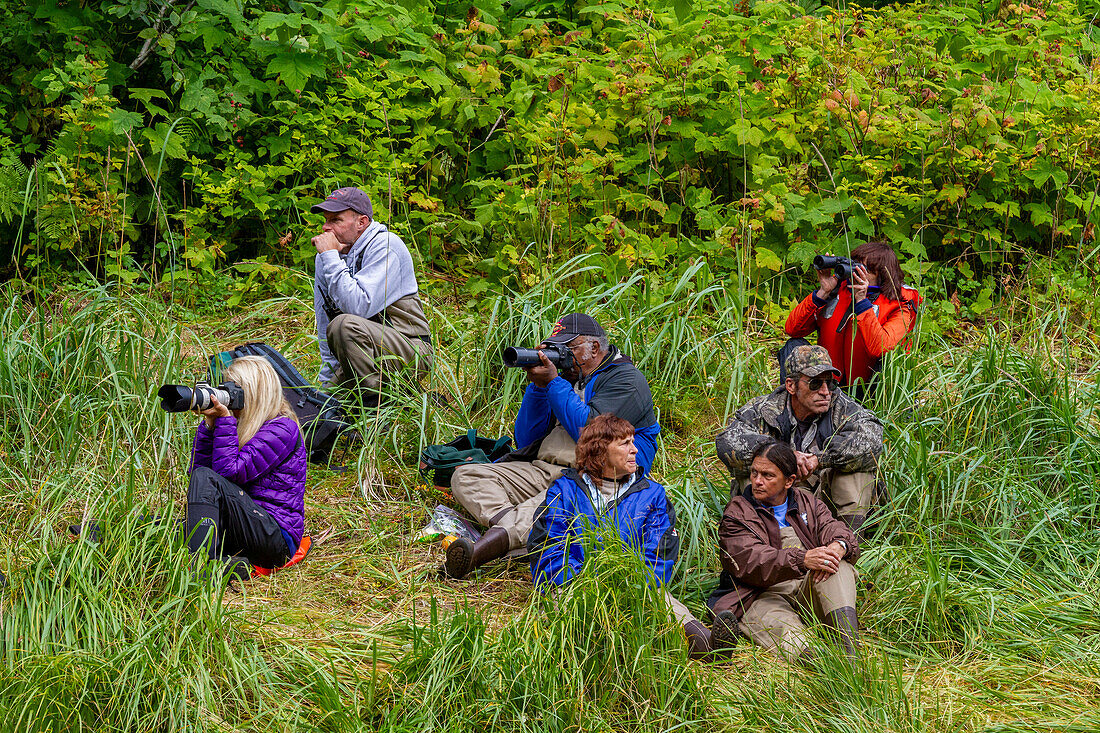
pixel 980 593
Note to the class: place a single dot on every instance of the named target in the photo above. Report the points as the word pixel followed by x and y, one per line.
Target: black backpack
pixel 321 415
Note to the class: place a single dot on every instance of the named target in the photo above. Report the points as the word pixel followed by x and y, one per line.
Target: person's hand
pixel 822 562
pixel 216 410
pixel 807 463
pixel 827 282
pixel 544 373
pixel 325 242
pixel 859 283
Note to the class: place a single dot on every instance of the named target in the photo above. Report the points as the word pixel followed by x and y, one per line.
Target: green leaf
pixel 123 121
pixel 601 137
pixel 295 68
pixel 951 192
pixel 1043 170
pixel 768 260
pixel 146 94
pixel 1041 215
pixel 861 224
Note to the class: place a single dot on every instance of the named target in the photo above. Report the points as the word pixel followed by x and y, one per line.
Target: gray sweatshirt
pixel 374 273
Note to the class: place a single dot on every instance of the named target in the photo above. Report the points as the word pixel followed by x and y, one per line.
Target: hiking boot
pixel 723 632
pixel 92 531
pixel 845 624
pixel 463 556
pixel 238 568
pixel 698 638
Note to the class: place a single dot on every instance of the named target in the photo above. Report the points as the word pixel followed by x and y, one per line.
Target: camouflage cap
pixel 811 361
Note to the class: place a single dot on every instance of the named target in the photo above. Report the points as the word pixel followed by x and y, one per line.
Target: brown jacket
pixel 752 554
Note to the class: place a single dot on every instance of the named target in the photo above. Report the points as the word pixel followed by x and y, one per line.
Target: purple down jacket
pixel 271 467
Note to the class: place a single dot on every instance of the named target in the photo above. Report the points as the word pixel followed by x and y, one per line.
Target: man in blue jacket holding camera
pixel 505 495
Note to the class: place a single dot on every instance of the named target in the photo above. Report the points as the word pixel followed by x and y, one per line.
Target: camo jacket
pixel 848 436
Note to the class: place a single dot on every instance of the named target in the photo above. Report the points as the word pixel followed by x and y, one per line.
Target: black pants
pixel 222 517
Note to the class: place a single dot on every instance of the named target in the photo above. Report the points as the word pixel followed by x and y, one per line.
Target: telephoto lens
pixel 181 398
pixel 518 357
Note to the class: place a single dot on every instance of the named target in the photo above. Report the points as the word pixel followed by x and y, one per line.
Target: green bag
pixel 469 448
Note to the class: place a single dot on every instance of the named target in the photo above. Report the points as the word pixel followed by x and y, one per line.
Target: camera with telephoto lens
pixel 841 266
pixel 181 398
pixel 559 356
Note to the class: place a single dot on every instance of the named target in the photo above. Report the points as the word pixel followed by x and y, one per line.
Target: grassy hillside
pixel 980 595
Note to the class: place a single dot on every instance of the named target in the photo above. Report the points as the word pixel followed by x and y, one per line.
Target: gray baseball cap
pixel 345 198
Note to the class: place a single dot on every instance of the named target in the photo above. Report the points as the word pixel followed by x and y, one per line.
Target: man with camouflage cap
pixel 837 441
pixel 370 321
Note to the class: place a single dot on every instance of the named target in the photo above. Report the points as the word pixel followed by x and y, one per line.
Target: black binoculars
pixel 841 266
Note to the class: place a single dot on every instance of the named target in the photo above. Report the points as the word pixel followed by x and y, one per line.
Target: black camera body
pixel 559 356
pixel 181 398
pixel 841 266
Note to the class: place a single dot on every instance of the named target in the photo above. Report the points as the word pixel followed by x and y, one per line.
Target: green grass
pixel 979 596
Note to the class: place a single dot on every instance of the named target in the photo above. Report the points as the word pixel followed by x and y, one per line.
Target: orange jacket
pixel 880 326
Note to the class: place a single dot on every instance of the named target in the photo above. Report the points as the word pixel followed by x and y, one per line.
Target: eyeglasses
pixel 575 344
pixel 816 382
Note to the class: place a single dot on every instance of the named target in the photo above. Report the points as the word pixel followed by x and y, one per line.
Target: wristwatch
pixel 844 545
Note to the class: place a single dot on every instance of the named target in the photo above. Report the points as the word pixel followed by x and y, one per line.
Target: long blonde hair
pixel 263 395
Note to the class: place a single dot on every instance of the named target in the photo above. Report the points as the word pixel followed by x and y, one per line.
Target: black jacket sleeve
pixel 624 392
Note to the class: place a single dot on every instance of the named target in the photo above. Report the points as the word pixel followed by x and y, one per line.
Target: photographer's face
pixel 867 274
pixel 807 401
pixel 346 226
pixel 621 458
pixel 586 353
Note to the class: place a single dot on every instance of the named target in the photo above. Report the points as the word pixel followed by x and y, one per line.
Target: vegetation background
pixel 671 169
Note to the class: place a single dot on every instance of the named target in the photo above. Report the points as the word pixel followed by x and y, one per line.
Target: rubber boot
pixel 238 568
pixel 845 623
pixel 463 556
pixel 698 638
pixel 92 531
pixel 723 632
pixel 855 523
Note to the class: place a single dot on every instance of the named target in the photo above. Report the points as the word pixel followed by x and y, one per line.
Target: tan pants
pixel 679 610
pixel 368 351
pixel 775 618
pixel 846 493
pixel 505 494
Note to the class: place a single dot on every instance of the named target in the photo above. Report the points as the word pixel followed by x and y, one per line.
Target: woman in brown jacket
pixel 785 558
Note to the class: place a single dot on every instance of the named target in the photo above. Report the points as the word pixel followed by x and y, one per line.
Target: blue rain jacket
pixel 642 518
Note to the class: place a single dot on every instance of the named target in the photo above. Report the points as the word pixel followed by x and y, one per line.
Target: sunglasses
pixel 831 382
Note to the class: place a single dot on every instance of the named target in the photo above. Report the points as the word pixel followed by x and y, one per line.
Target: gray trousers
pixel 369 352
pixel 505 494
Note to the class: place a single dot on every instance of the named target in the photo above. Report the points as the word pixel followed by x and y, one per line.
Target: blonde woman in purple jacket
pixel 246 497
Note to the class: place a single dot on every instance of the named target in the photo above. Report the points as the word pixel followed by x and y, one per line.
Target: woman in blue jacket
pixel 607 490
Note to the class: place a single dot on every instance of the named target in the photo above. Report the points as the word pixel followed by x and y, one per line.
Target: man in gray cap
pixel 837 442
pixel 370 321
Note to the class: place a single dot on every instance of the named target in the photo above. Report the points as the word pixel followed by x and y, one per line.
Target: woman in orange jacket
pixel 859 321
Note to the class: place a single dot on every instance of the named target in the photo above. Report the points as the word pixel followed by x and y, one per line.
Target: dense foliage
pixel 157 137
